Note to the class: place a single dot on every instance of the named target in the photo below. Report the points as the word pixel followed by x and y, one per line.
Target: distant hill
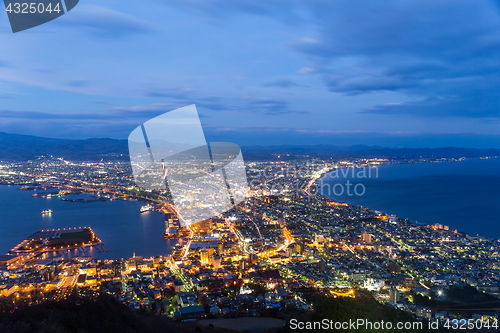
pixel 361 151
pixel 25 147
pixel 104 314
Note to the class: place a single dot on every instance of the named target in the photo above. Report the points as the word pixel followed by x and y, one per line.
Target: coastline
pixel 384 211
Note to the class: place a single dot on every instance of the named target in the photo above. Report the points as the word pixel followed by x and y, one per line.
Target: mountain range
pixel 25 147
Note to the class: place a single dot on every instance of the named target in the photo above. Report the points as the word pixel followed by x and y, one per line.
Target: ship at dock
pixel 147 208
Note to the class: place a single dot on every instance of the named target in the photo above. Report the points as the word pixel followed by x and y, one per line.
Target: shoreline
pixel 324 197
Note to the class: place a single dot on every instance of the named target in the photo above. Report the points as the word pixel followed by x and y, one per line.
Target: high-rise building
pixel 253 258
pixel 271 199
pixel 204 226
pixel 367 237
pixel 216 262
pixel 298 248
pixel 393 295
pixel 204 257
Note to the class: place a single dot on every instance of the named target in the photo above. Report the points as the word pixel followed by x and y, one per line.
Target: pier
pixel 57 240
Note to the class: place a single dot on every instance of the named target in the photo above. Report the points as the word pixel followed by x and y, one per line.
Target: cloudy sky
pixel 413 73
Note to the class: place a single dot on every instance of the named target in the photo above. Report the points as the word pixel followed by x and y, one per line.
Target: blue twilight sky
pixel 414 73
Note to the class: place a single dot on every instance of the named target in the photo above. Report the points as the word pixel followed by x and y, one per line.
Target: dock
pixel 57 240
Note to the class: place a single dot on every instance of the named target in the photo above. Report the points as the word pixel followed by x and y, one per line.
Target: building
pixel 374 284
pixel 393 219
pixel 424 312
pixel 178 286
pixel 253 259
pixel 235 248
pixel 322 266
pixel 7 260
pixel 271 199
pixel 186 299
pixel 204 257
pixel 395 268
pixel 298 248
pixel 358 276
pixel 367 238
pixel 204 226
pixel 8 290
pixel 216 262
pixel 394 295
pixel 488 288
pixel 81 280
pixel 190 312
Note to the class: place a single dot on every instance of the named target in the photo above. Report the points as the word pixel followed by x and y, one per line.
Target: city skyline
pixel 271 255
pixel 413 74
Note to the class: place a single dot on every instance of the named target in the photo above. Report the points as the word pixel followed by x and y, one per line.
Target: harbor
pixel 55 241
pixel 118 223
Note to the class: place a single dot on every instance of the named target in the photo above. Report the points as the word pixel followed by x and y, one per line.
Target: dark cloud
pixel 366 83
pixel 78 83
pixel 469 97
pixel 186 96
pixel 34 115
pixel 282 83
pixel 69 130
pixel 412 47
pixel 439 51
pixel 409 29
pixel 105 22
pixel 169 92
pixel 272 106
pixel 214 10
pixel 116 114
pixel 263 135
pixel 144 112
pixel 212 103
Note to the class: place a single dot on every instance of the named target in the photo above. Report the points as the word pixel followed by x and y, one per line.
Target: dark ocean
pixel 464 195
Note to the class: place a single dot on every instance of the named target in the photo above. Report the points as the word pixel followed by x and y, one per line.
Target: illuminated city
pixel 262 254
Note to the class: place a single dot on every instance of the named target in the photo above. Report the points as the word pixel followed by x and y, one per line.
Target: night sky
pixel 412 73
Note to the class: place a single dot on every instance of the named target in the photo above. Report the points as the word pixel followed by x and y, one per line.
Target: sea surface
pixel 464 195
pixel 118 223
